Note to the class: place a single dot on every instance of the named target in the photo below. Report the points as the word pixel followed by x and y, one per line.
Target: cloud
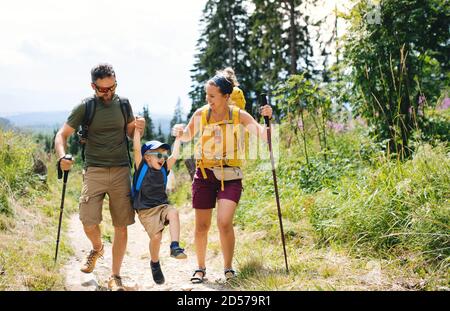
pixel 49 46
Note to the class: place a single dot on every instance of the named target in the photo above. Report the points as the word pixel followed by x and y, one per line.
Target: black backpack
pixel 89 113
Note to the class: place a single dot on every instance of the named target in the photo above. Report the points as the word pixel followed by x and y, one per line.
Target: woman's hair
pixel 225 80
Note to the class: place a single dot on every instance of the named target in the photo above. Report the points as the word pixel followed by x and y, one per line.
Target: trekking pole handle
pixel 265 102
pixel 68 157
pixel 66 173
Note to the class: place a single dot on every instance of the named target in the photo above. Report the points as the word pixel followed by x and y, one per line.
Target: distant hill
pixel 46 122
pixel 5 124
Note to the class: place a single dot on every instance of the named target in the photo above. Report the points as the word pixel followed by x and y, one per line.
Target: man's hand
pixel 139 124
pixel 66 165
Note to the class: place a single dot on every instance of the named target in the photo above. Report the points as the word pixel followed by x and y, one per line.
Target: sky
pixel 48 47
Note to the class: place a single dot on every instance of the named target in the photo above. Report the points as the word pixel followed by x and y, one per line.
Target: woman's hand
pixel 266 111
pixel 178 130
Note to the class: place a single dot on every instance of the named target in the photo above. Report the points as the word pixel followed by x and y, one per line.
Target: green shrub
pixel 396 206
pixel 16 160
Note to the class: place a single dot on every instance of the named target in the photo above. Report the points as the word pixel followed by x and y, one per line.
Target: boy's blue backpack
pixel 138 178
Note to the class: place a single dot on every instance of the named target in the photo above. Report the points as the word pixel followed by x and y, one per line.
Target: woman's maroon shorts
pixel 205 192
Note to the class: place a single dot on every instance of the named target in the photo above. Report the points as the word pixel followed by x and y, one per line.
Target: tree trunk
pixel 292 36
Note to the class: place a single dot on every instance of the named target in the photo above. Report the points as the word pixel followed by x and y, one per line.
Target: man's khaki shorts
pixel 154 219
pixel 99 181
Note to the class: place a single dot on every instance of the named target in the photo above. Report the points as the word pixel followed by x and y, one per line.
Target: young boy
pixel 150 200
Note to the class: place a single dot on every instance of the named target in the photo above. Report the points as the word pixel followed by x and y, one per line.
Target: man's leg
pixel 94 235
pixel 118 248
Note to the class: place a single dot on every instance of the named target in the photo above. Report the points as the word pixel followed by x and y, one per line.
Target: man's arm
pixel 60 145
pixel 137 123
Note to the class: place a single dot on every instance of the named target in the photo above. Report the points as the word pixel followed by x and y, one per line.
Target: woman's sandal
pixel 196 279
pixel 229 274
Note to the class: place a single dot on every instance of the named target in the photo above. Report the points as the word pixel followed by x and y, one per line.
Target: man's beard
pixel 106 99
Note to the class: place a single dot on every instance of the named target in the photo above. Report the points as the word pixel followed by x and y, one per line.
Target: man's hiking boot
pixel 91 260
pixel 177 253
pixel 115 284
pixel 158 276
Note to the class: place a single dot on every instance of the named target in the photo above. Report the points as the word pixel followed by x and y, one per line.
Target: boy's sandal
pixel 229 274
pixel 197 279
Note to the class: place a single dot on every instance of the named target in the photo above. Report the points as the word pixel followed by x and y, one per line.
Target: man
pixel 107 168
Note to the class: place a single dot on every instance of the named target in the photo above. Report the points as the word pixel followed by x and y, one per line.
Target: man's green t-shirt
pixel 106 143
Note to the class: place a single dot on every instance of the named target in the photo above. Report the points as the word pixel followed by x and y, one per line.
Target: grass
pixel 28 225
pixel 363 222
pixel 396 207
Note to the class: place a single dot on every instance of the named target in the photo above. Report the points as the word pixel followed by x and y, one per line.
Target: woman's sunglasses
pixel 105 89
pixel 159 155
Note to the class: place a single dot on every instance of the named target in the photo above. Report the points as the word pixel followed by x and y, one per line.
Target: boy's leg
pixel 174 225
pixel 154 246
pixel 155 243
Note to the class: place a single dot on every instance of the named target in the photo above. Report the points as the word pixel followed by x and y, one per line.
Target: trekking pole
pixel 66 175
pixel 264 102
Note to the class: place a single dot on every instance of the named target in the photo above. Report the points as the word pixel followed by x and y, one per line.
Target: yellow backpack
pixel 220 143
pixel 237 98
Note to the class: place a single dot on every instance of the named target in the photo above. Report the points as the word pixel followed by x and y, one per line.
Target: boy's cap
pixel 152 145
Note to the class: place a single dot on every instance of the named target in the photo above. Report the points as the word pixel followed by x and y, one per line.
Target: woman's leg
pixel 225 215
pixel 202 225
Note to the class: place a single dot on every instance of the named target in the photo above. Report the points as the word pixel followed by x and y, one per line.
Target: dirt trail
pixel 136 271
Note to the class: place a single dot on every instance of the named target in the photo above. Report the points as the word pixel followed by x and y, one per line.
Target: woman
pixel 218 177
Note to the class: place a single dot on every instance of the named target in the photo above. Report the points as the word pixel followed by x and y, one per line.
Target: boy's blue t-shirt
pixel 153 190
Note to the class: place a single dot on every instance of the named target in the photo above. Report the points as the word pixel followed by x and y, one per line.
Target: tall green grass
pixel 397 207
pixel 29 212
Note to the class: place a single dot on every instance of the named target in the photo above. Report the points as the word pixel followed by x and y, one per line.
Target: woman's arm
pixel 254 127
pixel 186 134
pixel 137 148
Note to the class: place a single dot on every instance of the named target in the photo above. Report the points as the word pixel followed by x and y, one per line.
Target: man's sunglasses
pixel 159 155
pixel 105 89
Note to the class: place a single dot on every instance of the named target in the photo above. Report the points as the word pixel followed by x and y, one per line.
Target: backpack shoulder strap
pixel 165 172
pixel 139 176
pixel 90 105
pixel 236 115
pixel 125 107
pixel 126 110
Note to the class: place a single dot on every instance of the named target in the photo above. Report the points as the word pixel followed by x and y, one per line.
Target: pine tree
pixel 223 43
pixel 266 31
pixel 176 119
pixel 149 127
pixel 160 135
pixel 280 42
